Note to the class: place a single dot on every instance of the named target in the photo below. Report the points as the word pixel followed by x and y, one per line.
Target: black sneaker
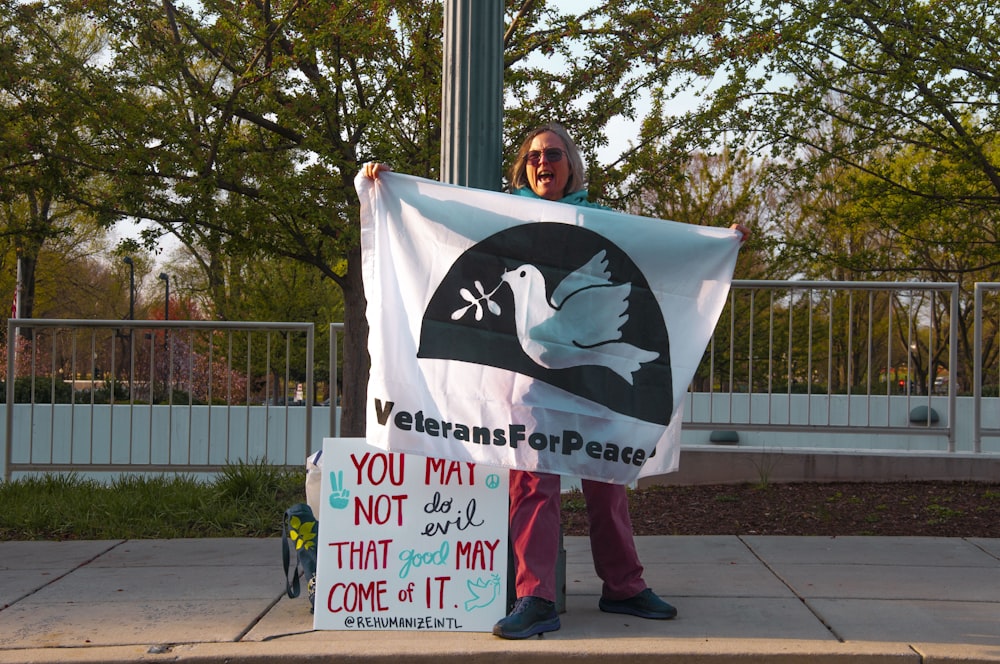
pixel 644 605
pixel 530 616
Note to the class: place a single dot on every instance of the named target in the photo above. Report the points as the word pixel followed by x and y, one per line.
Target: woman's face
pixel 547 177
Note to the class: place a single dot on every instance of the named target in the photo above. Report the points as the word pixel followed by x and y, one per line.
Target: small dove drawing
pixel 581 324
pixel 483 591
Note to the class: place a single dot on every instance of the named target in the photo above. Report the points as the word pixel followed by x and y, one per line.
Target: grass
pixel 245 500
pixel 941 513
pixel 726 498
pixel 573 501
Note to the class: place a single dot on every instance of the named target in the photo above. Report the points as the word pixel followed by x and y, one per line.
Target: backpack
pixel 300 533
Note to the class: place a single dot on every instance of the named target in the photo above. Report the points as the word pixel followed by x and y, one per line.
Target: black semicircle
pixel 556 250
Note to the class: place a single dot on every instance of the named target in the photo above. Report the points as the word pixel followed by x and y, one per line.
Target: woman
pixel 549 166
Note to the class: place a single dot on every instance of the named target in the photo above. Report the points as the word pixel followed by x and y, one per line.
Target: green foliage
pixel 63 391
pixel 37 390
pixel 251 481
pixel 884 124
pixel 937 513
pixel 245 501
pixel 118 390
pixel 574 501
pixel 43 51
pixel 860 140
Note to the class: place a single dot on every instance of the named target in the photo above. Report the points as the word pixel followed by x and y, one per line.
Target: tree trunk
pixel 356 360
pixel 26 301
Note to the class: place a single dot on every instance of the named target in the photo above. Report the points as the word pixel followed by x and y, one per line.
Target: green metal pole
pixel 472 129
pixel 472 95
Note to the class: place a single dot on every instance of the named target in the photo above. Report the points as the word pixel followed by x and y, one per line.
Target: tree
pixel 883 123
pixel 720 190
pixel 887 82
pixel 239 128
pixel 848 225
pixel 266 289
pixel 44 53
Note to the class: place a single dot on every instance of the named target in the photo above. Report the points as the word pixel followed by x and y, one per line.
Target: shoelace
pixel 521 605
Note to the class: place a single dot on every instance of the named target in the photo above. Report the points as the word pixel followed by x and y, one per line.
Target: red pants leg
pixel 534 532
pixel 611 541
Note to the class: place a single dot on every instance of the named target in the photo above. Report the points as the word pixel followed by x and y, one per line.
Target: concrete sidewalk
pixel 763 599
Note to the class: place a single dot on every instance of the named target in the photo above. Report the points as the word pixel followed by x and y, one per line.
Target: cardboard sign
pixel 408 542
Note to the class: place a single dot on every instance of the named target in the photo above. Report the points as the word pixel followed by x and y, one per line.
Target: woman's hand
pixel 742 230
pixel 373 168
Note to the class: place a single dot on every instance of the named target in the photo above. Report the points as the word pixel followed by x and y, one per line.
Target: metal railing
pixel 142 396
pixel 843 361
pixel 831 357
pixel 978 360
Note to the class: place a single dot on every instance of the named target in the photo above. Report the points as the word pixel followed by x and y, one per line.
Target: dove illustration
pixel 484 592
pixel 581 325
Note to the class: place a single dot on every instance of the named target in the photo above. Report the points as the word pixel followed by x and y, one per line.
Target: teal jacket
pixel 576 198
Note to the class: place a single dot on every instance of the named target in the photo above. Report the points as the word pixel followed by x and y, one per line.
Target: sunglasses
pixel 552 155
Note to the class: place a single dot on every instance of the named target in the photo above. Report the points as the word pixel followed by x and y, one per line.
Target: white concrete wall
pixel 164 435
pixel 811 414
pixel 183 435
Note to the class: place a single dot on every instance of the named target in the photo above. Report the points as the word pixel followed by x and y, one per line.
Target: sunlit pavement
pixel 787 599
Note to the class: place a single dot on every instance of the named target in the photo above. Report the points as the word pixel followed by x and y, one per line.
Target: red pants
pixel 535 527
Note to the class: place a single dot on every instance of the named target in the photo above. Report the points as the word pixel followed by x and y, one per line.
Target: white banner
pixel 522 333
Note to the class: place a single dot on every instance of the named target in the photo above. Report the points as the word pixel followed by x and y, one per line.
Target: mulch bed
pixel 936 509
